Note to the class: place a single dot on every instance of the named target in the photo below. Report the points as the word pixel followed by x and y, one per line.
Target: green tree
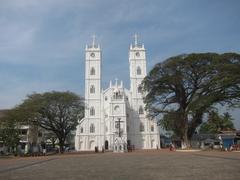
pixel 187 86
pixel 217 123
pixel 57 112
pixel 169 123
pixel 9 131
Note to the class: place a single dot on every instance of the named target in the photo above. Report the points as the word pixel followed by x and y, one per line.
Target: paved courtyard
pixel 139 165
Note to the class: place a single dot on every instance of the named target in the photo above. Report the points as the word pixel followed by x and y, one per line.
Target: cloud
pixel 15 88
pixel 42 42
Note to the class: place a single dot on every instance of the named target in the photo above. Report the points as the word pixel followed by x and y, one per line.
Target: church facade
pixel 115 118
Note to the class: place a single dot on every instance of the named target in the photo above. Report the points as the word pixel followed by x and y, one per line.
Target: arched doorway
pixel 153 144
pixel 106 145
pixel 81 145
pixel 143 144
pixel 91 145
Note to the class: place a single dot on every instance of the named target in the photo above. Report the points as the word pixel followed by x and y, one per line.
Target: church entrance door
pixel 81 145
pixel 153 144
pixel 91 145
pixel 106 145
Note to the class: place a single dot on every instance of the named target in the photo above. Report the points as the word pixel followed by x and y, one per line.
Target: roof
pixel 204 136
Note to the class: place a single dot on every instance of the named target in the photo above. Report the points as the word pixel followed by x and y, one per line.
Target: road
pixel 138 165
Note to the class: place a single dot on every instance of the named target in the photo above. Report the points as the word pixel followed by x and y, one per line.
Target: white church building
pixel 115 118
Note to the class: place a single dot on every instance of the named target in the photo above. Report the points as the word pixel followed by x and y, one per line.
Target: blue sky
pixel 42 41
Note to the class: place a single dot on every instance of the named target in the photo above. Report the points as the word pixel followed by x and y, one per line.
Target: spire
pixel 136 43
pixel 116 82
pixel 135 39
pixel 94 40
pixel 110 83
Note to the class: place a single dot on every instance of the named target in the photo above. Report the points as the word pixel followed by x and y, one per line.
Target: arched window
pixel 92 89
pixel 139 71
pixel 116 108
pixel 139 89
pixel 92 111
pixel 92 72
pixel 152 128
pixel 140 110
pixel 141 127
pixel 92 128
pixel 81 130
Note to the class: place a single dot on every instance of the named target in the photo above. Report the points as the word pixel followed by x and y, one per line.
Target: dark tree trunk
pixel 61 145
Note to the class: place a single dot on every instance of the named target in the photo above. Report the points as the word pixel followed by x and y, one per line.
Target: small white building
pixel 115 117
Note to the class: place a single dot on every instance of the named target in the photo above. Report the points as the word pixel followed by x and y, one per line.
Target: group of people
pixel 130 148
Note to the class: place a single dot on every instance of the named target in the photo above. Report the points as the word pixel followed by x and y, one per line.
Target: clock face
pixel 137 54
pixel 92 55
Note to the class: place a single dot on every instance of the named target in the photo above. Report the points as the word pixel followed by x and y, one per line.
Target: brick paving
pixel 138 165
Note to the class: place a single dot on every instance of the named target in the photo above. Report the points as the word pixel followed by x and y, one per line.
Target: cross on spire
pixel 116 81
pixel 135 39
pixel 94 40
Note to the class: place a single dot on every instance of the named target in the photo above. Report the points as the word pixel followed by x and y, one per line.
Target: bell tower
pixel 93 85
pixel 137 62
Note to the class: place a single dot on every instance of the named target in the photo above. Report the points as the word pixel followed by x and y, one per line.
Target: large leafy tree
pixel 57 112
pixel 216 123
pixel 181 89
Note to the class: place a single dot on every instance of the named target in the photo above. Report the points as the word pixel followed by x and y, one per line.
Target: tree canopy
pixel 183 88
pixel 57 112
pixel 217 123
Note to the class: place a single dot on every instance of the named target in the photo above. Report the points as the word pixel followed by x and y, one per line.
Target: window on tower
pixel 81 130
pixel 92 111
pixel 92 72
pixel 92 128
pixel 152 128
pixel 140 111
pixel 92 89
pixel 141 127
pixel 139 71
pixel 139 89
